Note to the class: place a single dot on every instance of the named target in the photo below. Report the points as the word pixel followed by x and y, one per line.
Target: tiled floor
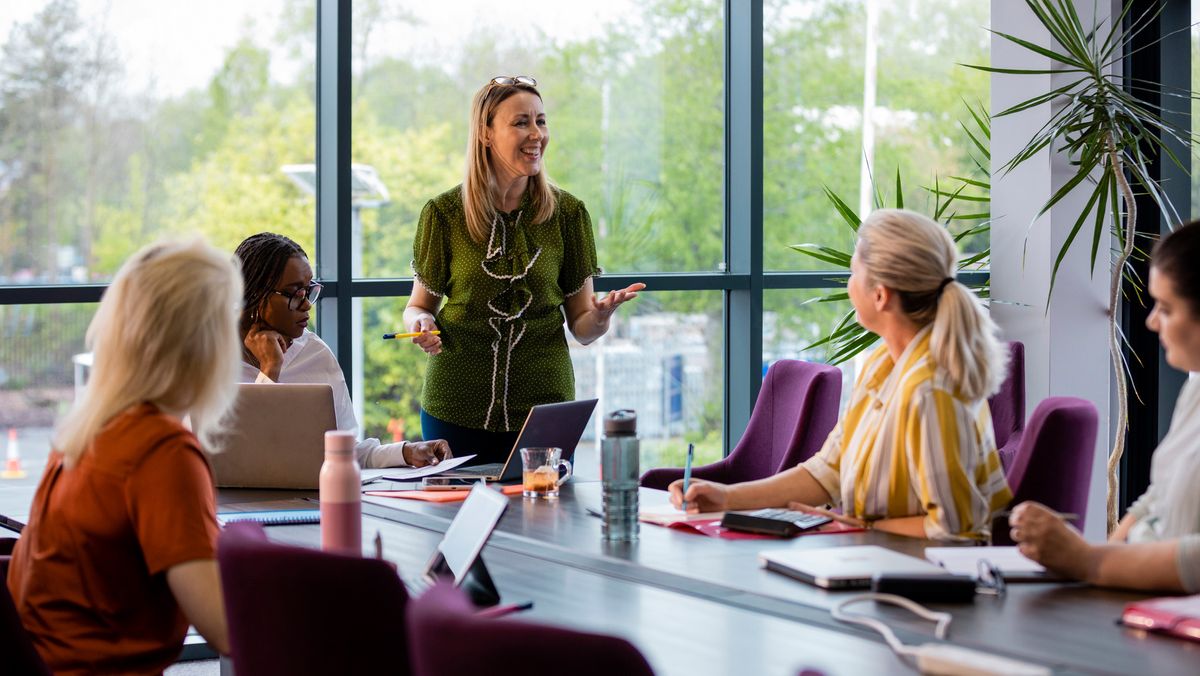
pixel 196 668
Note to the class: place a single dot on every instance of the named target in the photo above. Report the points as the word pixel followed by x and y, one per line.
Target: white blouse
pixel 1170 507
pixel 309 360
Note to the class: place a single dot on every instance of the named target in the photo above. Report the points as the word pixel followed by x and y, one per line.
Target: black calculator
pixel 773 521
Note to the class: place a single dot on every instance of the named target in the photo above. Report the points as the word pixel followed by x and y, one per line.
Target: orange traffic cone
pixel 396 427
pixel 12 462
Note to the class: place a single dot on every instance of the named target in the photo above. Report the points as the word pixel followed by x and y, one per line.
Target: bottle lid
pixel 621 422
pixel 338 441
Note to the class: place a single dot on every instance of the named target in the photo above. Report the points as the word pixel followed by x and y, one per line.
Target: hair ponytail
pixel 964 345
pixel 911 254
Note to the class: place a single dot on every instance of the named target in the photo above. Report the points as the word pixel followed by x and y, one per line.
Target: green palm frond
pixel 1101 118
pixel 960 203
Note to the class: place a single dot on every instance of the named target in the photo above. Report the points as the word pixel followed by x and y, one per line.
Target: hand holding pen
pixel 424 332
pixel 687 475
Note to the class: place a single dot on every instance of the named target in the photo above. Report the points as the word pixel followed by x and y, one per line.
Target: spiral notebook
pixel 272 517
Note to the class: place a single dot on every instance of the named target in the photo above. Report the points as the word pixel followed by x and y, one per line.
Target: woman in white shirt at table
pixel 1157 545
pixel 279 348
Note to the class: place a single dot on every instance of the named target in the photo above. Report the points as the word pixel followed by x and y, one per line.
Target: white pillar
pixel 1066 346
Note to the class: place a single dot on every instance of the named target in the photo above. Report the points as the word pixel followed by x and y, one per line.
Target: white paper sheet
pixel 410 473
pixel 965 560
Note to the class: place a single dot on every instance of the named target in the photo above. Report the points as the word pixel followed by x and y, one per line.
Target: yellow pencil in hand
pixel 411 334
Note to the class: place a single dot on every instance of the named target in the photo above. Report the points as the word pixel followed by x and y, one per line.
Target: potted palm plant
pixel 961 204
pixel 1110 138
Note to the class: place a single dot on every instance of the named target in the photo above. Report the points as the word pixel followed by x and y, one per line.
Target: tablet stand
pixel 477 583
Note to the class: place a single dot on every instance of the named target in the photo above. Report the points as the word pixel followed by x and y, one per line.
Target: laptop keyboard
pixel 801 519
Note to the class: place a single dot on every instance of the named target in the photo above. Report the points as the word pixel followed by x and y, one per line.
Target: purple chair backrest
pixel 1054 462
pixel 293 610
pixel 1008 405
pixel 19 655
pixel 447 639
pixel 796 410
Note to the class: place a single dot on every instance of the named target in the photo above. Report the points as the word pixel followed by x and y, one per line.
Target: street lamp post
pixel 367 191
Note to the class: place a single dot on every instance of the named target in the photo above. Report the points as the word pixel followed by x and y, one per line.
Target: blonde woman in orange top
pixel 120 552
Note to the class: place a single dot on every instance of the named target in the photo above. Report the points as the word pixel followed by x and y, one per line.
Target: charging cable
pixel 935 658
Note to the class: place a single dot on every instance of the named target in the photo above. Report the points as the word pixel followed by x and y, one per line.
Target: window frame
pixel 742 283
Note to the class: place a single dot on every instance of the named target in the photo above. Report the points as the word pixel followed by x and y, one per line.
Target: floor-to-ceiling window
pixel 124 122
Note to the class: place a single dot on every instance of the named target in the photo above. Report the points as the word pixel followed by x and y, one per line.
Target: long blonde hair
pixel 165 333
pixel 914 256
pixel 479 191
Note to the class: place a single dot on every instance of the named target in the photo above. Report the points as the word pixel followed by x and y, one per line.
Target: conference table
pixel 700 605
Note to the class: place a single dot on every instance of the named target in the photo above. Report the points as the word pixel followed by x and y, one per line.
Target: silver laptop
pixel 275 437
pixel 843 567
pixel 557 425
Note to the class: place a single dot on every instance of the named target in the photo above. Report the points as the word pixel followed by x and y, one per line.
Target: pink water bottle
pixel 341 501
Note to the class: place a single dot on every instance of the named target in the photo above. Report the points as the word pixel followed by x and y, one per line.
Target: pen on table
pixel 1065 516
pixel 410 334
pixel 687 476
pixel 501 611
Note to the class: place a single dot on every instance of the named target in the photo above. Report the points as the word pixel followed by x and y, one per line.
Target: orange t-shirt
pixel 88 574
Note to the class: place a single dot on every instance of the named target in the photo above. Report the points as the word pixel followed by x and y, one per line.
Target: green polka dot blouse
pixel 504 349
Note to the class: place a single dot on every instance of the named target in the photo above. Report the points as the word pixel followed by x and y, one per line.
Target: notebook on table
pixel 843 567
pixel 1174 616
pixel 547 425
pixel 709 523
pixel 275 436
pixel 1008 561
pixel 272 517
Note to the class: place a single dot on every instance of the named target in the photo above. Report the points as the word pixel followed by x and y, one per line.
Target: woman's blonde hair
pixel 914 256
pixel 479 190
pixel 165 333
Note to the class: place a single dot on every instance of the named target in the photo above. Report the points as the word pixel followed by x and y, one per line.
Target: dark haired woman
pixel 1157 544
pixel 279 348
pixel 511 255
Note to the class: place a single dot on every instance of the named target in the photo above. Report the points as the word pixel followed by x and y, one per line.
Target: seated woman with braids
pixel 914 453
pixel 277 346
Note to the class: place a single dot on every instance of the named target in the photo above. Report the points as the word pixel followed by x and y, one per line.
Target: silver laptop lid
pixel 833 567
pixel 275 437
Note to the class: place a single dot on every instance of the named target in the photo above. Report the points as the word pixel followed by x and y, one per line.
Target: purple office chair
pixel 20 657
pixel 446 638
pixel 293 610
pixel 1053 464
pixel 1008 406
pixel 796 409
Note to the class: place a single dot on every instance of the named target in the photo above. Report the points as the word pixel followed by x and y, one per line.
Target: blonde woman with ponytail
pixel 120 552
pixel 914 452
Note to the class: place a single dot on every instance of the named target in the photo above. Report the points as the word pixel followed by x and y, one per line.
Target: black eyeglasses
pixel 296 298
pixel 509 80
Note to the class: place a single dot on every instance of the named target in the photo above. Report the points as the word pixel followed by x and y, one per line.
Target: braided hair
pixel 264 257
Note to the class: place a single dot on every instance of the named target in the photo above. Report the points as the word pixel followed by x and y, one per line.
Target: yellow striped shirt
pixel 907 446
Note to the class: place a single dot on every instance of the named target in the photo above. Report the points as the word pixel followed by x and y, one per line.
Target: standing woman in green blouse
pixel 498 262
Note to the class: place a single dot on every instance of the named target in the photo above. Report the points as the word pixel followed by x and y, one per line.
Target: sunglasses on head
pixel 509 80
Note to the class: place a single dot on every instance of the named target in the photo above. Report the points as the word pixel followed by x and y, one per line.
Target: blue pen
pixel 687 474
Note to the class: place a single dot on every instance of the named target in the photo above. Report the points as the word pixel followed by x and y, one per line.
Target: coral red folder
pixel 1176 616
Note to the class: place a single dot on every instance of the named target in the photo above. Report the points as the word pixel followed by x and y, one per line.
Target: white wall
pixel 1066 340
